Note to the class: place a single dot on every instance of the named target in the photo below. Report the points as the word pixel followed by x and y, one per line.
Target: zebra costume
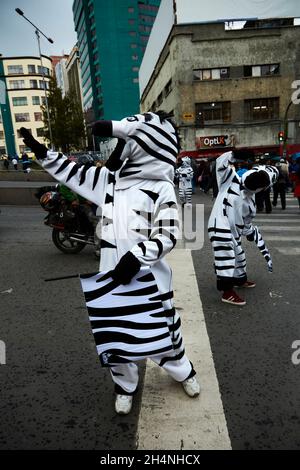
pixel 231 217
pixel 139 216
pixel 185 175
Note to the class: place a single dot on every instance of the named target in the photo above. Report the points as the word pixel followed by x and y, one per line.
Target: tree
pixel 66 118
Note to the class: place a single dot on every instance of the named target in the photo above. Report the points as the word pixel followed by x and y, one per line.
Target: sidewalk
pixel 18 188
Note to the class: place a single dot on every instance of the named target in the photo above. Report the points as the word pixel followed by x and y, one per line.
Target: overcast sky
pixel 53 17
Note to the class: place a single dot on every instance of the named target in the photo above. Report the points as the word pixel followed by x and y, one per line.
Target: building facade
pixel 74 74
pixel 112 38
pixel 61 74
pixel 24 85
pixel 228 87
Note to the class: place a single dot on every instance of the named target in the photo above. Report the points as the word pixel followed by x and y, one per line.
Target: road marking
pixel 276 228
pixel 276 238
pixel 290 251
pixel 272 221
pixel 169 419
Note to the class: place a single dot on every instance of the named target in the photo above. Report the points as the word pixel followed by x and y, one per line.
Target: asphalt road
pixel 251 345
pixel 55 395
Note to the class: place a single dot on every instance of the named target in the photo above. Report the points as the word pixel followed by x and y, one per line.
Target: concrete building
pixel 226 87
pixel 23 85
pixel 74 74
pixel 112 38
pixel 61 74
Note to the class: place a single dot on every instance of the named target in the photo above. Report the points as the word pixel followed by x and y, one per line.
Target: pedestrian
pixel 185 181
pixel 295 178
pixel 25 162
pixel 6 162
pixel 15 163
pixel 140 195
pixel 231 217
pixel 279 188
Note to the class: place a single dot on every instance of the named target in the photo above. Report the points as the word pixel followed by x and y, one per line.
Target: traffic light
pixel 281 136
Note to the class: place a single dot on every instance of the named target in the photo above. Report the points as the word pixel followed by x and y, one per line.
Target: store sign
pixel 213 141
pixel 188 116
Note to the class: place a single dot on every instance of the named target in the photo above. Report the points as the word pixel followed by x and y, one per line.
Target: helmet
pixel 49 200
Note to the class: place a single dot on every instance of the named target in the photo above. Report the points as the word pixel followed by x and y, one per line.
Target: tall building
pixel 74 74
pixel 61 74
pixel 112 37
pixel 228 83
pixel 23 93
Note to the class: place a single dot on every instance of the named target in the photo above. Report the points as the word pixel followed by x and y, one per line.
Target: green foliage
pixel 66 118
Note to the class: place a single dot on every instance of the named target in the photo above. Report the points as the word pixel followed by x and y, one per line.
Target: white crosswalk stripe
pixel 281 228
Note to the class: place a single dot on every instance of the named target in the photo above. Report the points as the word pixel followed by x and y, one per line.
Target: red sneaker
pixel 231 297
pixel 248 285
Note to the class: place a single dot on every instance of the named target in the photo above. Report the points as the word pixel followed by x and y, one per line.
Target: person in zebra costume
pixel 231 217
pixel 185 175
pixel 140 223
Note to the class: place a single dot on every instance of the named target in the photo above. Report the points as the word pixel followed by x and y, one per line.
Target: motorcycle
pixel 73 225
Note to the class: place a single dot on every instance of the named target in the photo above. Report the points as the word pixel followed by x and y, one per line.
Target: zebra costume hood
pixel 148 149
pixel 259 178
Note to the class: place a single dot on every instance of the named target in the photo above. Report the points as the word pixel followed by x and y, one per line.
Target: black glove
pixel 250 237
pixel 102 129
pixel 126 269
pixel 39 149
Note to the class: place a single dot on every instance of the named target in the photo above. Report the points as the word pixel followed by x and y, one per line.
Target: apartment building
pixel 24 82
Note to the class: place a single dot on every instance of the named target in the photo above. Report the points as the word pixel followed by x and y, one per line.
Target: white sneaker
pixel 123 404
pixel 191 387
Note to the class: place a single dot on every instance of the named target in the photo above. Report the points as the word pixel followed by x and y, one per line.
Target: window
pixel 135 69
pixel 22 117
pixel 16 84
pixel 135 57
pixel 40 132
pixel 35 100
pixel 1 134
pixel 44 70
pixel 15 69
pixel 95 56
pixel 33 83
pixel 261 109
pixel 31 69
pixel 211 74
pixel 261 70
pixel 168 87
pixel 159 99
pixel 131 21
pixel 44 85
pixel 19 101
pixel 43 100
pixel 38 116
pixel 135 80
pixel 133 46
pixel 130 10
pixel 213 113
pixel 132 33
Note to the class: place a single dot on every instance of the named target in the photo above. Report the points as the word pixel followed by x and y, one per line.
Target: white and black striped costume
pixel 139 215
pixel 231 217
pixel 185 175
pixel 128 323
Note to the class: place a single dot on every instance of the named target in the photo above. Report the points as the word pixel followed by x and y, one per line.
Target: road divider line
pixel 169 419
